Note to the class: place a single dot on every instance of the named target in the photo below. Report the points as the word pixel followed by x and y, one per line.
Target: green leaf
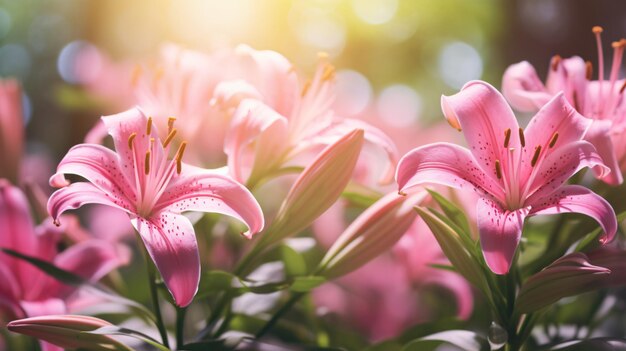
pixel 113 330
pixel 464 339
pixel 452 211
pixel 72 279
pixel 213 282
pixel 213 345
pixel 306 284
pixel 596 344
pixel 295 265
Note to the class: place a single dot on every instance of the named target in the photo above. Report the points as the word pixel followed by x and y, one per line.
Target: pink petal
pixel 43 307
pixel 500 232
pixel 484 116
pixel 599 134
pixel 10 292
pixel 171 242
pixel 201 190
pixel 445 164
pixel 11 128
pixel 121 126
pixel 570 77
pixel 229 94
pixel 79 194
pixel 523 89
pixel 254 122
pixel 578 199
pixel 91 260
pixel 18 233
pixel 101 167
pixel 561 164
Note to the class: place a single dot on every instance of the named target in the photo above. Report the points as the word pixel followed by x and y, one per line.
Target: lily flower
pixel 28 292
pixel 267 134
pixel 517 173
pixel 601 100
pixel 153 190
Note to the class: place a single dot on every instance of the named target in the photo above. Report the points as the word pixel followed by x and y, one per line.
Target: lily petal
pixel 255 122
pixel 197 189
pixel 91 260
pixel 599 134
pixel 171 243
pixel 78 194
pixel 523 89
pixel 578 199
pixel 569 76
pixel 561 164
pixel 483 114
pixel 445 164
pixel 100 166
pixel 43 307
pixel 11 129
pixel 500 232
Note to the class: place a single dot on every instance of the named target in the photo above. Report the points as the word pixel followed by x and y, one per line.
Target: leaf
pixel 72 279
pixel 295 265
pixel 213 345
pixel 464 339
pixel 306 284
pixel 452 211
pixel 596 344
pixel 113 330
pixel 214 282
pixel 568 276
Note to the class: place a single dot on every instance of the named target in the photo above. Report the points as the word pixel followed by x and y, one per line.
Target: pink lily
pixel 11 129
pixel 266 134
pixel 518 173
pixel 153 190
pixel 601 100
pixel 28 292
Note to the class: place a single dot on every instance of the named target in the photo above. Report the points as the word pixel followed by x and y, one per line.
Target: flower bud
pixel 66 331
pixel 376 230
pixel 317 187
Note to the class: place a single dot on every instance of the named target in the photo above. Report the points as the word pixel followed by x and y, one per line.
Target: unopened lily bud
pixel 376 230
pixel 568 276
pixel 66 331
pixel 317 187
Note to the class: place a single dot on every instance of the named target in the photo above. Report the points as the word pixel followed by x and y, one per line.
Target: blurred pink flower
pixel 601 100
pixel 267 133
pixel 26 290
pixel 518 173
pixel 153 190
pixel 11 129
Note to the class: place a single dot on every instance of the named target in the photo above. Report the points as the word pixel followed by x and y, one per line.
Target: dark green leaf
pixel 295 265
pixel 306 284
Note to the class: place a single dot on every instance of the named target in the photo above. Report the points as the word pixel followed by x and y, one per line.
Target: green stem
pixel 284 309
pixel 180 325
pixel 155 300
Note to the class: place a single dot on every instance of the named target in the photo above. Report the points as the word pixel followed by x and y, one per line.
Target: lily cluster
pixel 313 191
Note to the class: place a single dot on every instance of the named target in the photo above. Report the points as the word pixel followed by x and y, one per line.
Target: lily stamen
pixel 179 156
pixel 169 138
pixel 170 123
pixel 507 137
pixel 556 60
pixel 149 126
pixel 130 140
pixel 588 70
pixel 146 163
pixel 535 156
pixel 522 140
pixel 498 169
pixel 555 136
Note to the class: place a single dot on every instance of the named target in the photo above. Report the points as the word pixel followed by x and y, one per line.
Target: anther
pixel 621 90
pixel 498 170
pixel 533 162
pixel 329 72
pixel 596 29
pixel 170 123
pixel 149 126
pixel 130 140
pixel 589 70
pixel 617 44
pixel 146 163
pixel 179 157
pixel 556 60
pixel 305 88
pixel 555 136
pixel 507 137
pixel 522 141
pixel 169 138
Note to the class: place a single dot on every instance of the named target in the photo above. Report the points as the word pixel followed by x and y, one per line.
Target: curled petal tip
pixel 58 181
pixel 448 112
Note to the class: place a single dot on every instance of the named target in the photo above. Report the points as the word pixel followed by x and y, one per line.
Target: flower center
pixel 153 176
